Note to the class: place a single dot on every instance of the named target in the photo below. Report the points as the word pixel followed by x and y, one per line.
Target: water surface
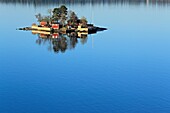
pixel 122 70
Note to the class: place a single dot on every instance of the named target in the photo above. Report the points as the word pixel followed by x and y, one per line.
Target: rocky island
pixel 62 21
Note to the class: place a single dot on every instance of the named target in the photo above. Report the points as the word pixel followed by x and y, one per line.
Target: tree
pixel 63 17
pixel 43 18
pixel 63 9
pixel 56 14
pixel 39 17
pixel 60 14
pixel 72 18
pixel 83 21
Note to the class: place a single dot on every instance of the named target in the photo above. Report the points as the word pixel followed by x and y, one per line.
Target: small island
pixel 60 20
pixel 61 29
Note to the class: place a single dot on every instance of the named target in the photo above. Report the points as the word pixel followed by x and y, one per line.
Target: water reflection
pixel 83 2
pixel 60 42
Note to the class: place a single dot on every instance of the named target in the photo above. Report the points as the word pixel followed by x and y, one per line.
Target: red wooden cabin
pixel 42 23
pixel 55 26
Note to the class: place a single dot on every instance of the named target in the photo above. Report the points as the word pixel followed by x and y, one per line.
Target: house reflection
pixel 58 42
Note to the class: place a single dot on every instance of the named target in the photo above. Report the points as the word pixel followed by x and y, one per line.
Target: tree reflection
pixel 83 2
pixel 60 43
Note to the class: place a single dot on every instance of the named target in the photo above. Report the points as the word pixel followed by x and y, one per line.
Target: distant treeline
pixel 47 2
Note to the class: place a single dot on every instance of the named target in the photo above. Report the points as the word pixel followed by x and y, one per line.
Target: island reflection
pixel 60 43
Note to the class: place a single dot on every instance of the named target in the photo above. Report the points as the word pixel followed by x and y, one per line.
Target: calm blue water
pixel 125 69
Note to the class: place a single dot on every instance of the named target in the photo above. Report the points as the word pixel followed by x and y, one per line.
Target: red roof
pixel 43 23
pixel 55 26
